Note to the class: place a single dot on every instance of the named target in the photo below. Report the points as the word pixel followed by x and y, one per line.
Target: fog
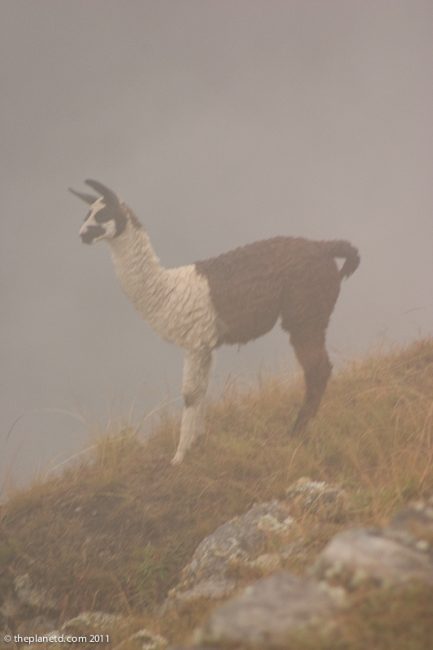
pixel 219 122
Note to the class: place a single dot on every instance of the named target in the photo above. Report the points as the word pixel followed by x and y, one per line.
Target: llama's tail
pixel 340 248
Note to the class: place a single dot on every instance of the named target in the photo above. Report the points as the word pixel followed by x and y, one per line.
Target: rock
pixel 85 624
pixel 317 497
pixel 143 640
pixel 270 612
pixel 240 548
pixel 267 563
pixel 27 609
pixel 358 556
pixel 190 647
pixel 413 526
pixel 239 544
pixel 212 589
pixel 95 623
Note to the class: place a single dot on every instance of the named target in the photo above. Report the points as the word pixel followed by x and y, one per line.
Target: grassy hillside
pixel 113 532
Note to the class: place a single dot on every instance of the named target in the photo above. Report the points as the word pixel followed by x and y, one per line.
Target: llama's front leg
pixel 194 386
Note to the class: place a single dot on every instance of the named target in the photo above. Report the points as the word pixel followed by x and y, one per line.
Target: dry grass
pixel 113 533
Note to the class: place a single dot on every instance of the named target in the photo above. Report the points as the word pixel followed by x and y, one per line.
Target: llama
pixel 233 298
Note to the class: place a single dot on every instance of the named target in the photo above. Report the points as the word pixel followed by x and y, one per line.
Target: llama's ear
pixel 108 195
pixel 88 198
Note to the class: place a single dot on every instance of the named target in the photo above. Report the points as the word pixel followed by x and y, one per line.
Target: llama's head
pixel 107 217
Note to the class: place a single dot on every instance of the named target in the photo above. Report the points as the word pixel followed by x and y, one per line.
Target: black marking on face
pixel 110 213
pixel 92 233
pixel 104 215
pixel 116 214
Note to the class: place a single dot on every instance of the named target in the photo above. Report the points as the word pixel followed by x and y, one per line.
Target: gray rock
pixel 95 623
pixel 413 526
pixel 212 589
pixel 270 612
pixel 191 647
pixel 143 640
pixel 86 624
pixel 239 543
pixel 357 556
pixel 328 502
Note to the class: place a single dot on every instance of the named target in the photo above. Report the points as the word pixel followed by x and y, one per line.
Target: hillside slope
pixel 114 532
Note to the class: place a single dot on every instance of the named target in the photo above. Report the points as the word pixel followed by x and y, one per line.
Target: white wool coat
pixel 176 302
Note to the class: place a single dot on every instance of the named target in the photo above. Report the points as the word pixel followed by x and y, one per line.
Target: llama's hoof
pixel 177 459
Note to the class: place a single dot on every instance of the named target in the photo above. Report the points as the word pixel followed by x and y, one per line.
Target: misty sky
pixel 219 122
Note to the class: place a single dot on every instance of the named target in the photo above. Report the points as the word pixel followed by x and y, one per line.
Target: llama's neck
pixel 144 280
pixel 175 302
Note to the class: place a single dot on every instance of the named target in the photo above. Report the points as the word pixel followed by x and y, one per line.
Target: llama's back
pixel 253 285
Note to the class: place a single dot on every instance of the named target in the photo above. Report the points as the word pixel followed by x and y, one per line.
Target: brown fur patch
pixel 293 278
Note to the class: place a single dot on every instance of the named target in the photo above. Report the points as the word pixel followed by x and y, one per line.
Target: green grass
pixel 113 532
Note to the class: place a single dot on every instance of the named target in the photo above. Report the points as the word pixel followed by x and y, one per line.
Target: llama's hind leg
pixel 312 355
pixel 195 381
